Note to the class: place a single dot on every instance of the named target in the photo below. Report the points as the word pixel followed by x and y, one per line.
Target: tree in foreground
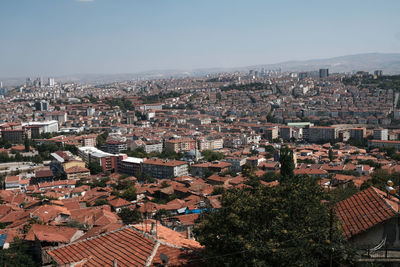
pixel 19 254
pixel 287 162
pixel 287 225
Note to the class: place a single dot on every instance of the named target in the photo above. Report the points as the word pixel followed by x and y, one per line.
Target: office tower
pixel 323 73
pixel 378 73
pixel 51 82
pixel 42 105
pixel 38 82
pixel 302 75
pixel 28 82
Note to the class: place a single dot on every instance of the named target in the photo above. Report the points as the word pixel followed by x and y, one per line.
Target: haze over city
pixel 52 38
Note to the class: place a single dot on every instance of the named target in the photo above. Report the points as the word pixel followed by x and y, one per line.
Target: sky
pixel 63 37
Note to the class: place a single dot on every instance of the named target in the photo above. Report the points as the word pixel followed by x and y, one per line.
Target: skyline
pixel 66 37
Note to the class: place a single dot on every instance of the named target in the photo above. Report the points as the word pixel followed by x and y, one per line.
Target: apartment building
pixel 322 134
pixel 148 146
pixel 115 146
pixel 201 169
pixel 91 154
pixel 16 136
pixel 179 145
pixel 286 133
pixel 357 133
pixel 236 163
pixel 163 168
pixel 50 126
pixel 210 144
pixel 381 134
pixel 130 165
pixel 271 133
pixel 385 143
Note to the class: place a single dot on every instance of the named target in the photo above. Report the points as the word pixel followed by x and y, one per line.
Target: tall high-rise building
pixel 323 73
pixel 42 105
pixel 378 73
pixel 51 82
pixel 38 82
pixel 28 82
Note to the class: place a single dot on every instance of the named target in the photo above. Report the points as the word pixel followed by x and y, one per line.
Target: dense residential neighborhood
pixel 144 163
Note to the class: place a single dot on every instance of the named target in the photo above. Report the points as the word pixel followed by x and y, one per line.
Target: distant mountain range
pixel 389 63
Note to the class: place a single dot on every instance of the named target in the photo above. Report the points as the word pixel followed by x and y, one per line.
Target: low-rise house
pixel 369 220
pixel 45 236
pixel 140 249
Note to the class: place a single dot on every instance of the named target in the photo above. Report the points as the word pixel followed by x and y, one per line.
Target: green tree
pixel 161 213
pixel 19 254
pixel 330 154
pixel 129 194
pixel 27 144
pixel 18 157
pixel 287 225
pixel 71 148
pixel 101 183
pixel 37 159
pixel 4 157
pixel 287 163
pixel 101 139
pixel 129 216
pixel 100 202
pixel 210 155
pixel 95 168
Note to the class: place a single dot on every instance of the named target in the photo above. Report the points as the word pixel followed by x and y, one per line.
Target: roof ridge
pixel 130 226
pixel 89 238
pixel 153 254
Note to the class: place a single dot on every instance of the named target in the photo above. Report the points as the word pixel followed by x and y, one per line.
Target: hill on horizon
pixel 389 63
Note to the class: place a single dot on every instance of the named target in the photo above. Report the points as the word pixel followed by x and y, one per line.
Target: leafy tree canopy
pixel 287 225
pixel 129 216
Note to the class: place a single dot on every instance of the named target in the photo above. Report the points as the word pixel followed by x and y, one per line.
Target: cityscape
pixel 202 160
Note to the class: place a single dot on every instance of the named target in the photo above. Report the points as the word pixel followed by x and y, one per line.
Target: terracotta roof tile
pixel 128 246
pixel 365 210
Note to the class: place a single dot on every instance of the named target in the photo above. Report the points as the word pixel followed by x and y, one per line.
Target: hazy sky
pixel 55 37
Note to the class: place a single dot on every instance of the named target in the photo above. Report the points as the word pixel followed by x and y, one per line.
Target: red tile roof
pixel 50 233
pixel 364 210
pixel 76 169
pixel 128 246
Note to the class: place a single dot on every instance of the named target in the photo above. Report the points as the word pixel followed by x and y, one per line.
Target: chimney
pixel 115 263
pixel 188 233
pixel 153 230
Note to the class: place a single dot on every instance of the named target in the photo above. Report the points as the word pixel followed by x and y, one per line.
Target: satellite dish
pixel 391 190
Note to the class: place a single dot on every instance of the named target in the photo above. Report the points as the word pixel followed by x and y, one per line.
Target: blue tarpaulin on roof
pixel 195 211
pixel 2 239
